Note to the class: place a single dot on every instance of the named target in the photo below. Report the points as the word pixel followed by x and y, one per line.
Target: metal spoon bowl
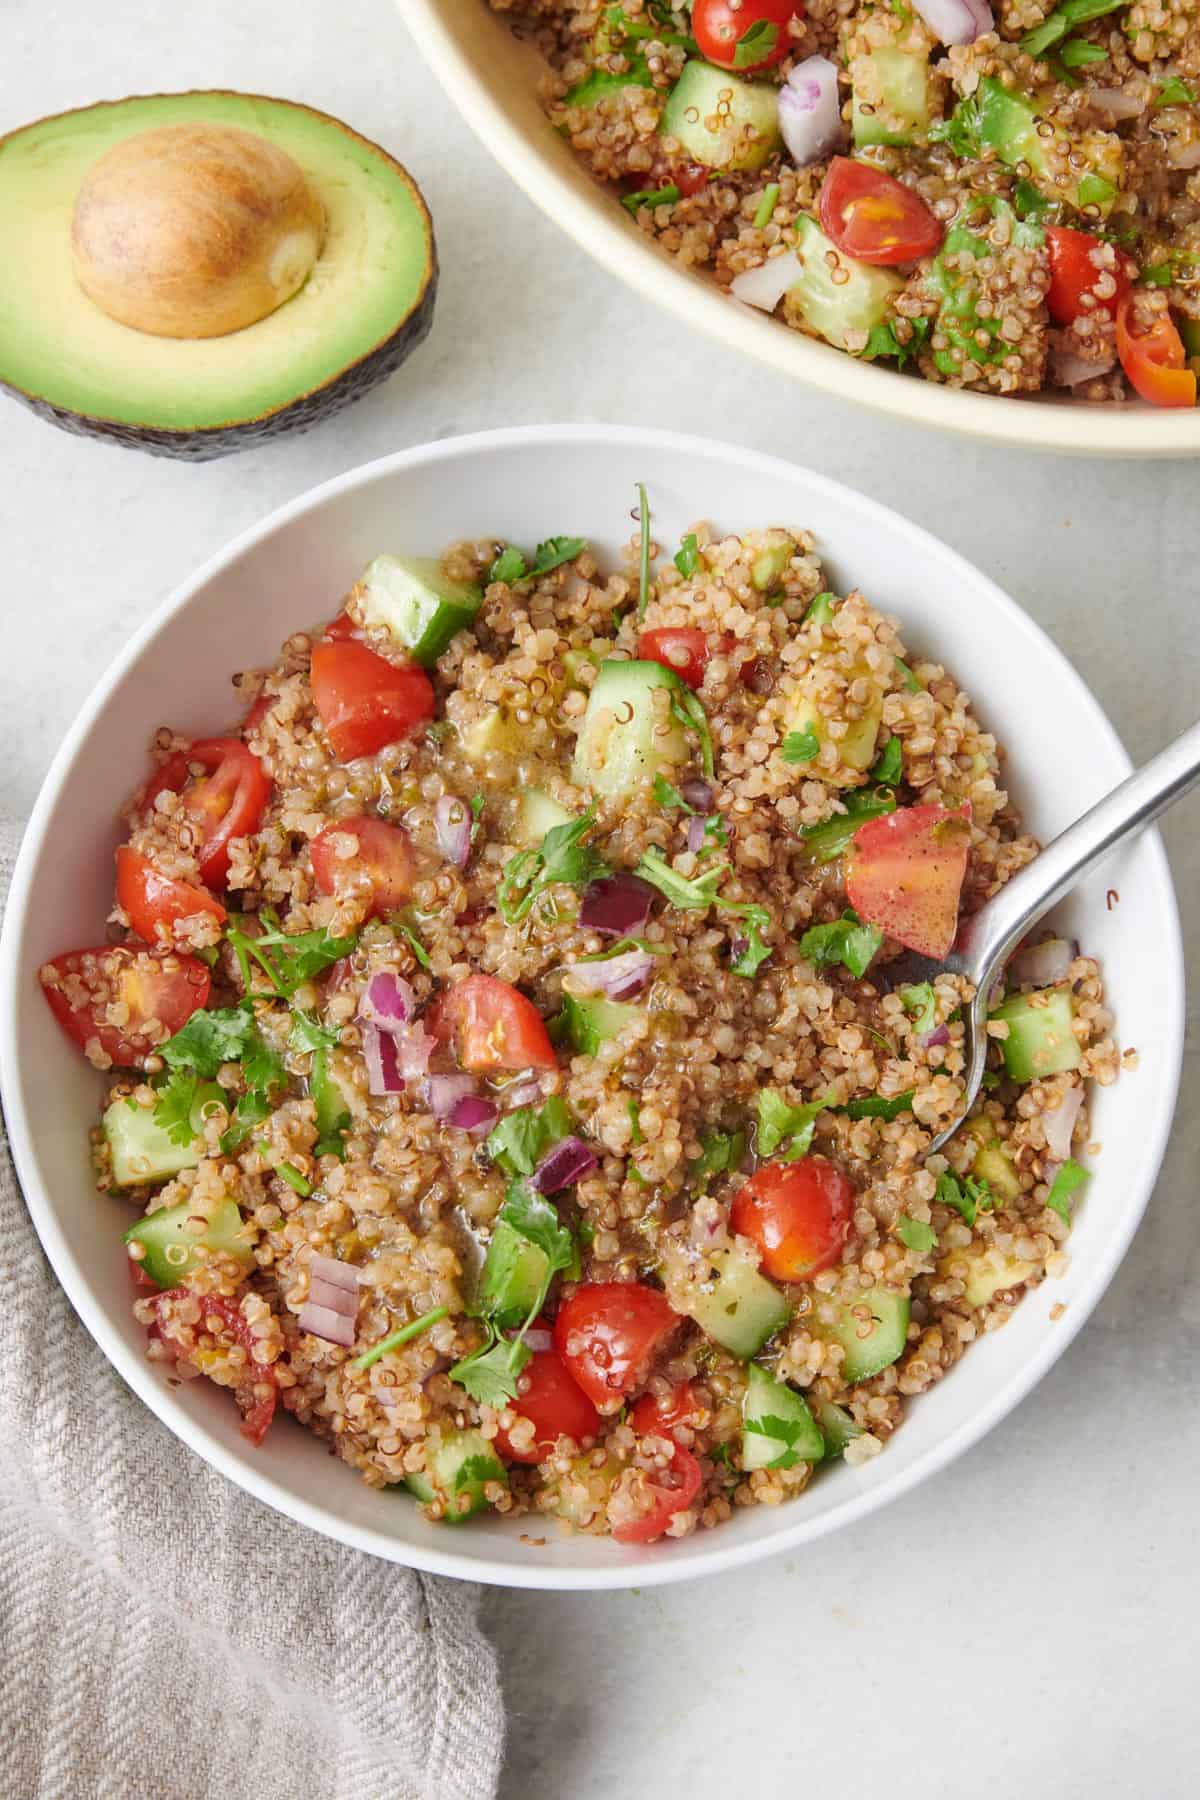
pixel 989 937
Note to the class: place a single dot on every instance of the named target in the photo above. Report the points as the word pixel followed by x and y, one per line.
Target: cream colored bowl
pixel 492 80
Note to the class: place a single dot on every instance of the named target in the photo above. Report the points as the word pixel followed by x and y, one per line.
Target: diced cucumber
pixel 175 1239
pixel 575 1497
pixel 890 97
pixel 588 1022
pixel 820 303
pixel 496 729
pixel 857 748
pixel 537 814
pixel 992 1162
pixel 514 1276
pixel 989 1272
pixel 721 120
pixel 141 1151
pixel 329 1098
pixel 739 1308
pixel 419 605
pixel 624 740
pixel 576 661
pixel 838 1427
pixel 872 1330
pixel 1040 1040
pixel 1010 124
pixel 769 565
pixel 601 83
pixel 821 610
pixel 778 1431
pixel 457 1471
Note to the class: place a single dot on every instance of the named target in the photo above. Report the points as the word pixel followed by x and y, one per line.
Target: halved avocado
pixel 365 305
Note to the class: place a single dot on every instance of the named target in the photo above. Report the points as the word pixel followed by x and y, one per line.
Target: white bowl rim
pixel 1074 428
pixel 648 1571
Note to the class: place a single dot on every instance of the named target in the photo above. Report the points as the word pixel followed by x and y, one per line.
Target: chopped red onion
pixel 766 285
pixel 563 1165
pixel 526 1092
pixel 698 793
pixel 1068 370
pixel 1059 1125
pixel 442 1093
pixel 1044 964
pixel 473 1113
pixel 452 822
pixel 697 826
pixel 383 1067
pixel 939 1035
pixel 1116 102
pixel 620 977
pixel 414 1047
pixel 337 1274
pixel 956 21
pixel 810 113
pixel 387 1001
pixel 323 1322
pixel 616 905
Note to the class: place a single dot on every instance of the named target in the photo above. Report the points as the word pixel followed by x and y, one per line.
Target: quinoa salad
pixel 995 194
pixel 509 1063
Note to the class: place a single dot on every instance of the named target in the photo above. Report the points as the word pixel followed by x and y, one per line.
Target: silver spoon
pixel 988 938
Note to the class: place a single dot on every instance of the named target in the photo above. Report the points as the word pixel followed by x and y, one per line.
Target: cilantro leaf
pixel 173 1106
pixel 308 1034
pixel 961 129
pixel 800 746
pixel 884 340
pixel 688 710
pixel 295 1180
pixel 554 551
pixel 537 1220
pixel 414 943
pixel 781 1123
pixel 509 566
pixel 666 795
pixel 1069 1178
pixel 756 44
pixel 561 857
pixel 755 949
pixel 915 1234
pixel 211 1038
pixel 920 1002
pixel 1063 19
pixel 521 1138
pixel 890 766
pixel 827 841
pixel 1027 202
pixel 251 1109
pixel 1174 92
pixel 692 896
pixel 875 1106
pixel 1077 53
pixel 287 961
pixel 720 1152
pixel 846 941
pixel 490 1374
pixel 663 196
pixel 687 557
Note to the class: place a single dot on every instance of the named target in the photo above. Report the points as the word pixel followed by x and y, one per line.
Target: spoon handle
pixel 997 928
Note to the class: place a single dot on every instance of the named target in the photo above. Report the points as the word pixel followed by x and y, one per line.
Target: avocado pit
pixel 194 230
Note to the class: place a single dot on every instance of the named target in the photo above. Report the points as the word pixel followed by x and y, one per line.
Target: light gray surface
pixel 1023 1619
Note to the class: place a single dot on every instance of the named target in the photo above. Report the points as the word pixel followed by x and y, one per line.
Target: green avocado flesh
pixel 372 284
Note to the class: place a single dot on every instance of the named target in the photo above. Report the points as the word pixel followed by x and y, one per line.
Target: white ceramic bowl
pixel 492 80
pixel 526 484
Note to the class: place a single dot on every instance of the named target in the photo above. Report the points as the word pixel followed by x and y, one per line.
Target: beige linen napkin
pixel 165 1637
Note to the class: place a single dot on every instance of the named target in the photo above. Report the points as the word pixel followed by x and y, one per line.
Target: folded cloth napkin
pixel 165 1637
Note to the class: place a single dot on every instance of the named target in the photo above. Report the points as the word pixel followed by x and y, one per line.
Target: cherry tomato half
pixel 258 713
pixel 342 627
pixel 798 1214
pixel 366 702
pixel 380 867
pixel 490 1025
pixel 874 218
pixel 1073 275
pixel 661 1414
pixel 668 1491
pixel 554 1403
pixel 155 993
pixel 608 1334
pixel 223 1320
pixel 227 800
pixel 905 872
pixel 689 178
pixel 744 34
pixel 1155 361
pixel 154 903
pixel 677 647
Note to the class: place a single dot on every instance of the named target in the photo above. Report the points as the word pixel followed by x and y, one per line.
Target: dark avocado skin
pixel 299 415
pixel 207 443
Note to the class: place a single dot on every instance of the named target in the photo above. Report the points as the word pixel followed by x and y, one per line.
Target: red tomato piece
pixel 170 777
pixel 154 992
pixel 258 713
pixel 798 1214
pixel 608 1334
pixel 677 647
pixel 555 1405
pixel 1155 361
pixel 341 628
pixel 490 1025
pixel 671 1490
pixel 661 1415
pixel 745 35
pixel 874 218
pixel 366 702
pixel 689 178
pixel 905 872
pixel 226 802
pixel 1073 274
pixel 382 864
pixel 222 1318
pixel 153 902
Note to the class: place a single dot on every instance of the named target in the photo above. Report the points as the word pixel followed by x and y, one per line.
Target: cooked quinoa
pixel 1055 166
pixel 288 1129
